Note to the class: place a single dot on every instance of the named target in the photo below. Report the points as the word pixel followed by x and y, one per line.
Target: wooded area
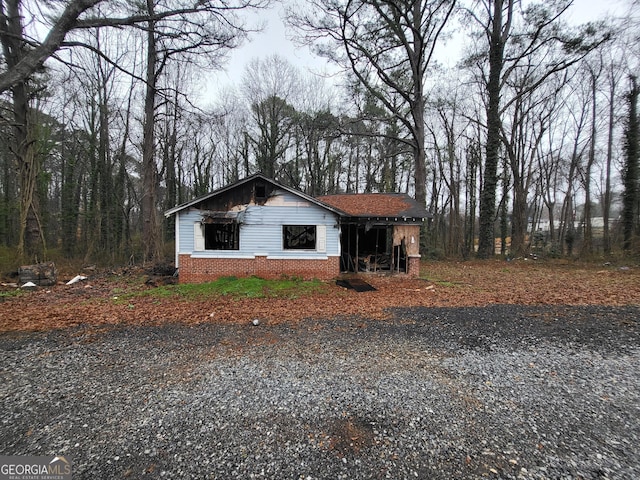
pixel 529 142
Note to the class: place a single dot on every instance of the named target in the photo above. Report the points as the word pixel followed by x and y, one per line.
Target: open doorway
pixel 370 248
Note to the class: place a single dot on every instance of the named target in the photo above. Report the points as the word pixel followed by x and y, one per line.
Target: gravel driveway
pixel 497 392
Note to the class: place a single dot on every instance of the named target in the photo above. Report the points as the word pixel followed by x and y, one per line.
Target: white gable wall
pixel 261 230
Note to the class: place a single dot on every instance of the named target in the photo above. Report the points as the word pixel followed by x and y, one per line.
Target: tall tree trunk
pixel 490 176
pixel 121 193
pixel 417 104
pixel 9 208
pixel 473 162
pixel 504 210
pixel 30 239
pixel 607 189
pixel 552 219
pixel 632 166
pixel 519 218
pixel 150 222
pixel 91 218
pixel 105 180
pixel 587 245
pixel 420 157
pixel 566 233
pixel 69 199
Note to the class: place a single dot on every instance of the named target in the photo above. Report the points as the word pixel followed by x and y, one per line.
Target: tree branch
pixel 35 58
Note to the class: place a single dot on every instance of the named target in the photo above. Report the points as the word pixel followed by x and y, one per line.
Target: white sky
pixel 274 40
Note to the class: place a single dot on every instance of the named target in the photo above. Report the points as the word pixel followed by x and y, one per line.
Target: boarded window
pixel 299 237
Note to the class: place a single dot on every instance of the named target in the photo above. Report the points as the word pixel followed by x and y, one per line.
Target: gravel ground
pixel 498 392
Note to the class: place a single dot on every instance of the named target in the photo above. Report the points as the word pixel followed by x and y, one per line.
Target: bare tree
pixel 512 37
pixel 270 86
pixel 389 46
pixel 549 162
pixel 75 15
pixel 614 74
pixel 575 154
pixel 15 53
pixel 199 32
pixel 20 63
pixel 594 71
pixel 630 223
pixel 447 131
pixel 230 129
pixel 523 127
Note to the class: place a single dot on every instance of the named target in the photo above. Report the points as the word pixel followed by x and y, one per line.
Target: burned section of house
pixel 379 232
pixel 256 227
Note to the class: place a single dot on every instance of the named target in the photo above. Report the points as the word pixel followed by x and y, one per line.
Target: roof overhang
pixel 390 220
pixel 257 176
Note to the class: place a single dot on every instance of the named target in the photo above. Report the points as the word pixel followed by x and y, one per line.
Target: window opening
pixel 299 237
pixel 221 236
pixel 261 191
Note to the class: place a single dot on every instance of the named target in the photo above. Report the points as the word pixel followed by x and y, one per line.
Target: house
pixel 257 226
pixel 379 231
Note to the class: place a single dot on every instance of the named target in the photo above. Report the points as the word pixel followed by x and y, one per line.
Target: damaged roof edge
pixel 377 205
pixel 255 176
pixel 411 213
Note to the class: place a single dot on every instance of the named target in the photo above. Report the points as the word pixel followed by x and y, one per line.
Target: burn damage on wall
pixel 379 231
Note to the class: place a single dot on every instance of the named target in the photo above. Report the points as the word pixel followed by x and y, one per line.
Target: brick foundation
pixel 413 266
pixel 199 270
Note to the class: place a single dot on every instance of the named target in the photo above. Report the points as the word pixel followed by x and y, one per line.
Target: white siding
pixel 261 230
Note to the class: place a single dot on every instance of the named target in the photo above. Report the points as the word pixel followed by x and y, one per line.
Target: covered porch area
pixel 375 246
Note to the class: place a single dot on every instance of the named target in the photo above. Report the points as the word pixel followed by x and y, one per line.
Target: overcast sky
pixel 274 40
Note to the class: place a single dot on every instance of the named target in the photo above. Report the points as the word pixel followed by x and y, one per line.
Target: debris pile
pixel 40 274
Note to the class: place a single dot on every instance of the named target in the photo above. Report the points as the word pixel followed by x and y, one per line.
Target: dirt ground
pixel 515 370
pixel 97 301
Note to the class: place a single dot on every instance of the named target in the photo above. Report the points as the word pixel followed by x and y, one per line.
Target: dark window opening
pixel 261 191
pixel 221 236
pixel 299 237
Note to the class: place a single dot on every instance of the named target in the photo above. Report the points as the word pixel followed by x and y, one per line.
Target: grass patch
pixel 11 293
pixel 444 283
pixel 249 287
pixel 437 281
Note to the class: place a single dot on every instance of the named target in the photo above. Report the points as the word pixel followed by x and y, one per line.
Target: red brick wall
pixel 198 270
pixel 413 266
